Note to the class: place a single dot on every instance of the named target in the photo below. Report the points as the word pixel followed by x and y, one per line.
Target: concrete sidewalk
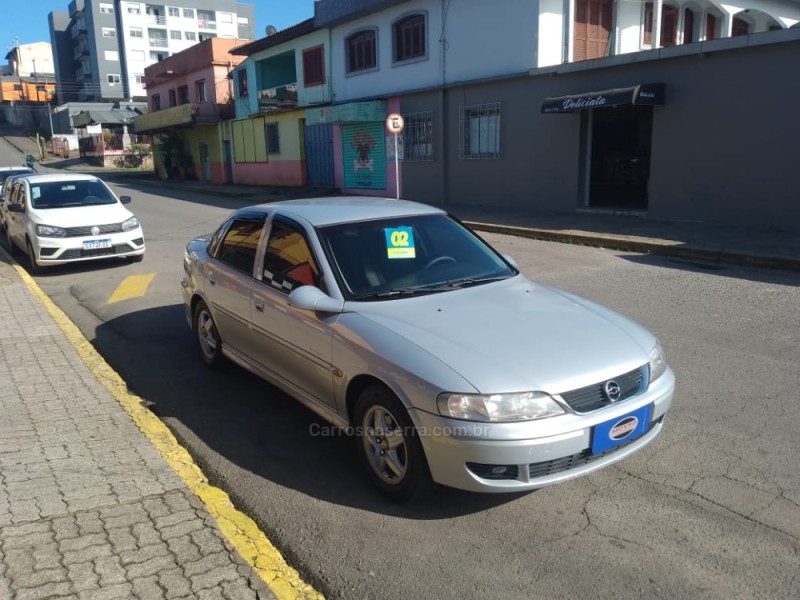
pixel 97 499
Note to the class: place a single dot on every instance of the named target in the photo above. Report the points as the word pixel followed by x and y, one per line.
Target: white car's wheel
pixel 33 266
pixel 389 446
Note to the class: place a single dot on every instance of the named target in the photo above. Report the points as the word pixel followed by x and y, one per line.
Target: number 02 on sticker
pixel 400 242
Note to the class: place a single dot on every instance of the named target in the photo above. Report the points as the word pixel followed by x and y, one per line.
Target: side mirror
pixel 17 208
pixel 308 297
pixel 125 199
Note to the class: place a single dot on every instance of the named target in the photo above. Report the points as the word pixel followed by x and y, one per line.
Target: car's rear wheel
pixel 389 446
pixel 33 266
pixel 206 336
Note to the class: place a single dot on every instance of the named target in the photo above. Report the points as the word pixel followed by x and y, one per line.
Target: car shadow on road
pixel 250 423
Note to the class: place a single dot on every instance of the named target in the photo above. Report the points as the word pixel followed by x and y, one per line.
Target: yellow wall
pixel 250 143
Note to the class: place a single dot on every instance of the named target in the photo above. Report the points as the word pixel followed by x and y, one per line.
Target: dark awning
pixel 646 93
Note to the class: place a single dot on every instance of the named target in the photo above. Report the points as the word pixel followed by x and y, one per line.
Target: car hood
pixel 81 216
pixel 517 335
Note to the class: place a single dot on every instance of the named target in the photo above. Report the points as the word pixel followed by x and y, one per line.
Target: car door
pixel 15 221
pixel 295 344
pixel 229 280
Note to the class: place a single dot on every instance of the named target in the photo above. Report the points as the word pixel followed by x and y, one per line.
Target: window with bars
pixel 409 38
pixel 480 131
pixel 418 136
pixel 313 66
pixel 362 51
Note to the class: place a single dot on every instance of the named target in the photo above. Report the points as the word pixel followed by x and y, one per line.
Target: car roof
pixel 333 210
pixel 19 168
pixel 55 177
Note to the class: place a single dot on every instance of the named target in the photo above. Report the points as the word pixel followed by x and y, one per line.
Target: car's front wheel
pixel 206 336
pixel 33 266
pixel 389 446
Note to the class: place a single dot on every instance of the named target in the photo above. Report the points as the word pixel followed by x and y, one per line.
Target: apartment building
pixel 102 47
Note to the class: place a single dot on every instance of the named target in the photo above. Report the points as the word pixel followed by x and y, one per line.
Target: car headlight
pixel 50 231
pixel 522 406
pixel 131 223
pixel 658 364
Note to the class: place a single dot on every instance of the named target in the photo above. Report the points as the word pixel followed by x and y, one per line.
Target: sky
pixel 30 23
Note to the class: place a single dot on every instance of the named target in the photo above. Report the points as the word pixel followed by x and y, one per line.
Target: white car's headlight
pixel 658 364
pixel 522 406
pixel 50 231
pixel 131 223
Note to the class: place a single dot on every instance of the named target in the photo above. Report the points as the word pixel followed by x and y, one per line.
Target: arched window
pixel 688 26
pixel 361 50
pixel 740 27
pixel 409 38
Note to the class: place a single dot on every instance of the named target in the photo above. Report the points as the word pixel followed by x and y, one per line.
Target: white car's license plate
pixel 94 244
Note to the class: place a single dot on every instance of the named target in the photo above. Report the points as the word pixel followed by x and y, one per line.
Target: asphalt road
pixel 710 510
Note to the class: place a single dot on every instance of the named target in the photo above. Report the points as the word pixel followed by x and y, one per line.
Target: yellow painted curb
pixel 240 530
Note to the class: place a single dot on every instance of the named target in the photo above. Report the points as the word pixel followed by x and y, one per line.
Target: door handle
pixel 259 305
pixel 211 281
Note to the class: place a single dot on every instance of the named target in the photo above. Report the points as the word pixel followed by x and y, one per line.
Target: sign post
pixel 395 124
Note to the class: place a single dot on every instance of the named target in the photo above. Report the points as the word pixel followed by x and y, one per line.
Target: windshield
pixel 61 194
pixel 407 256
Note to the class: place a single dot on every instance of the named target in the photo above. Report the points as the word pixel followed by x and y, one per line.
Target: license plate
pixel 94 244
pixel 621 429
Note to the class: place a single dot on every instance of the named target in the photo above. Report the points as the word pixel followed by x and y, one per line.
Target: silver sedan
pixel 396 323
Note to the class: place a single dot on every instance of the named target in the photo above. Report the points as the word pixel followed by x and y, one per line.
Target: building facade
pixel 103 46
pixel 191 104
pixel 588 105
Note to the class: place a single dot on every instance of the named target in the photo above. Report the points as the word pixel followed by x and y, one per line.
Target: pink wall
pixel 278 172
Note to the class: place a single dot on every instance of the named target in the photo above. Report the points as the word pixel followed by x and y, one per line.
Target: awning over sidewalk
pixel 644 94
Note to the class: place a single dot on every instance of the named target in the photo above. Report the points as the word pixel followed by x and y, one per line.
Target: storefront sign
pixel 354 112
pixel 646 93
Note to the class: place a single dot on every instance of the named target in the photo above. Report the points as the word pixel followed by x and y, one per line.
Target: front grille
pixel 80 253
pixel 585 457
pixel 87 231
pixel 550 467
pixel 592 397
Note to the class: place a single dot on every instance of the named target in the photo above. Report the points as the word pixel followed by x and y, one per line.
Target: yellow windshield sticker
pixel 400 242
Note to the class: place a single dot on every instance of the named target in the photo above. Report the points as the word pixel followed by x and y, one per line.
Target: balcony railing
pixel 157 19
pixel 283 96
pixel 206 24
pixel 157 42
pixel 184 115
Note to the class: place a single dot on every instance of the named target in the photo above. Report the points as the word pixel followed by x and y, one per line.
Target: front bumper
pixel 60 251
pixel 501 457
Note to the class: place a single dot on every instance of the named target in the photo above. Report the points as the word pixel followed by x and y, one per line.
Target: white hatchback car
pixel 59 219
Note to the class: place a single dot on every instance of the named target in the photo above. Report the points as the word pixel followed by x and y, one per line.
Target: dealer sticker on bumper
pixel 93 244
pixel 620 430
